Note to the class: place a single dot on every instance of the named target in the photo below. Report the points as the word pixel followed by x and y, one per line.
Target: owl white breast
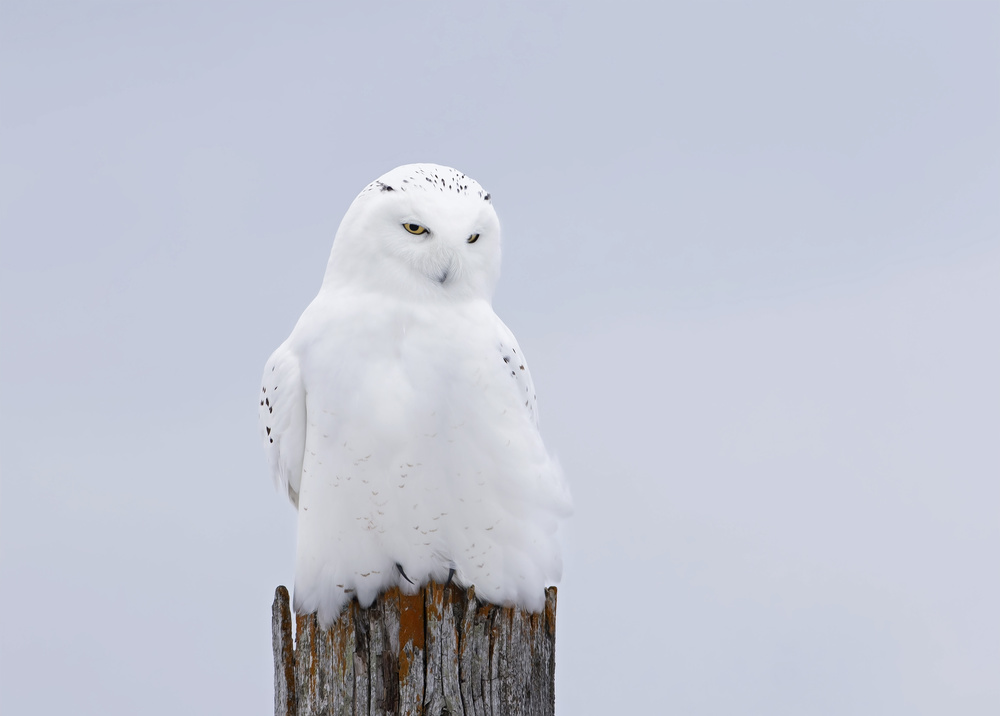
pixel 400 414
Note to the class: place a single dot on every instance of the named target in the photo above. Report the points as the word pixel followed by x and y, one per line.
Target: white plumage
pixel 400 415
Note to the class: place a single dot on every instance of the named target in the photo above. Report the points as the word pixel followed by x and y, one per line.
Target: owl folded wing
pixel 282 419
pixel 516 366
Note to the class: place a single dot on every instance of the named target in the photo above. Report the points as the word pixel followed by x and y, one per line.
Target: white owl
pixel 400 415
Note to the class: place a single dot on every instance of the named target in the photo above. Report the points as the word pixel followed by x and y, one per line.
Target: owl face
pixel 419 231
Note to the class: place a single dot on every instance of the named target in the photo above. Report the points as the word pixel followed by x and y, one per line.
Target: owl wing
pixel 282 419
pixel 517 367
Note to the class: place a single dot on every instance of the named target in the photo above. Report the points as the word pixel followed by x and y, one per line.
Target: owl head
pixel 420 231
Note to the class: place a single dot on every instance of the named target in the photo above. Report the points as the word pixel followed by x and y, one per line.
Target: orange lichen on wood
pixel 411 619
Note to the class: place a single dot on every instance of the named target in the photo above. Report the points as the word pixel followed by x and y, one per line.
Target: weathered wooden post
pixel 437 652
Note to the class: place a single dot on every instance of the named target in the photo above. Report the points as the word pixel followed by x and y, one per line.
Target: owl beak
pixel 446 272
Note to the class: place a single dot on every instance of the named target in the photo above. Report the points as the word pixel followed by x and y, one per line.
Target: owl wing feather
pixel 517 367
pixel 282 419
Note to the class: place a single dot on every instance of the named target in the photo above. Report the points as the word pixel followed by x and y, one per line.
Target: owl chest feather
pixel 391 371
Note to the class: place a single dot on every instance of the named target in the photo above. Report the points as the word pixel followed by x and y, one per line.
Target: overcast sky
pixel 752 252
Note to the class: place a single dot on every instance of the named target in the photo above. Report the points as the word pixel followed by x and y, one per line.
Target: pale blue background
pixel 752 253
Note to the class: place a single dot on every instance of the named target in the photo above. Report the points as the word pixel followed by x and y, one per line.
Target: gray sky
pixel 752 252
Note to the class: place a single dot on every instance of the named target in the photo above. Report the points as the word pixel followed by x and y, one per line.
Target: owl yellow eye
pixel 473 239
pixel 415 229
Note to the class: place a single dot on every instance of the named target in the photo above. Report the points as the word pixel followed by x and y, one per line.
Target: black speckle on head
pixel 270 410
pixel 268 431
pixel 272 440
pixel 506 359
pixel 262 402
pixel 521 367
pixel 264 389
pixel 267 401
pixel 443 179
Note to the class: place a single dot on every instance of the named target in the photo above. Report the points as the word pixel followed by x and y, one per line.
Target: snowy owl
pixel 400 415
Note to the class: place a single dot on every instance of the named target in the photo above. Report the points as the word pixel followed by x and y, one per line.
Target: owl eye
pixel 416 229
pixel 473 239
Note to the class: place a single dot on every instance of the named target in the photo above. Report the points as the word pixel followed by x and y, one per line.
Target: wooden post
pixel 440 651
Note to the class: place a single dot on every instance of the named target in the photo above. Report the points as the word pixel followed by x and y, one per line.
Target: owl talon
pixel 403 574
